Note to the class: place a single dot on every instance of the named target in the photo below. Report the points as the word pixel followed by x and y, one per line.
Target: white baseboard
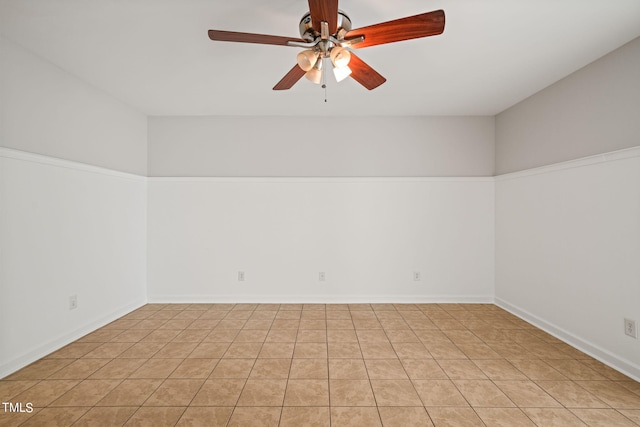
pixel 627 367
pixel 320 299
pixel 55 344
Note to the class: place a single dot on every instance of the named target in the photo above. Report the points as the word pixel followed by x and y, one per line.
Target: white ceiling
pixel 155 54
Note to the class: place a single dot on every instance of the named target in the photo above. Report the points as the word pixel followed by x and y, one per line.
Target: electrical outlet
pixel 321 276
pixel 73 302
pixel 416 276
pixel 240 276
pixel 630 328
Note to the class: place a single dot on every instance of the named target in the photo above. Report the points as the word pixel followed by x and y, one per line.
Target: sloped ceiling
pixel 155 54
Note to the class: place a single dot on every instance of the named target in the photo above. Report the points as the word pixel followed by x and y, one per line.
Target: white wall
pixel 367 235
pixel 45 110
pixel 592 111
pixel 568 252
pixel 321 147
pixel 65 229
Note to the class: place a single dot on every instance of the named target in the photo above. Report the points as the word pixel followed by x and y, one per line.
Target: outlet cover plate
pixel 630 328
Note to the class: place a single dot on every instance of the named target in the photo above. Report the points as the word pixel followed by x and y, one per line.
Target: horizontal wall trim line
pixel 25 156
pixel 627 153
pixel 320 299
pixel 59 342
pixel 318 180
pixel 625 366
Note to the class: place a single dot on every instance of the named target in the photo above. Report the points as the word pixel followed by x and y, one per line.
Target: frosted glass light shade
pixel 341 73
pixel 314 75
pixel 307 59
pixel 340 57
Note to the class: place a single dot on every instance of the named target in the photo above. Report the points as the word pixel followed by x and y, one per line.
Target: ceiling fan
pixel 325 33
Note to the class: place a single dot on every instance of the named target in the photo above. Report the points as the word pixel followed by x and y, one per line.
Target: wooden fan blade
pixel 364 74
pixel 290 78
pixel 411 27
pixel 324 10
pixel 232 36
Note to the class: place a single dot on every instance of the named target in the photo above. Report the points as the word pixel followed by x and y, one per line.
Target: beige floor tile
pixel 411 350
pixel 538 370
pixel 307 393
pixel 263 393
pixel 342 336
pixel 526 394
pixel 263 325
pixel 87 393
pixel 603 418
pixel 233 368
pixel 205 417
pixel 483 393
pixel 100 417
pixel 130 393
pixel 9 389
pixel 108 350
pixel 219 392
pixel 161 335
pixel 155 416
pixel 439 393
pixel 310 350
pixel 351 393
pixel 632 414
pixel 74 350
pixel 395 393
pixel 385 369
pixel 461 369
pixel 504 417
pixel 55 417
pixel 117 368
pixel 191 335
pixel 285 324
pixel 252 335
pixel 420 369
pixel 340 325
pixel 45 392
pixel 243 350
pixel 355 417
pixel 234 324
pixel 271 369
pixel 575 370
pixel 347 369
pixel 612 393
pixel 276 350
pixel 156 368
pixel 313 324
pixel 571 395
pixel 443 350
pixel 40 369
pixel 499 369
pixel 348 350
pixel 454 417
pixel 281 336
pixel 80 369
pixel 394 416
pixel 175 392
pixel 255 417
pixel 141 350
pixel 309 369
pixel 194 368
pixel 372 335
pixel 553 417
pixel 221 335
pixel 293 416
pixel 377 350
pixel 312 335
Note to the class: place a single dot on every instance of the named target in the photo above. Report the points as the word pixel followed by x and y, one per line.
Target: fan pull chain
pixel 324 85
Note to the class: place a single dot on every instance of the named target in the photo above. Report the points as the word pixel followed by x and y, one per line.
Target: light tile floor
pixel 320 365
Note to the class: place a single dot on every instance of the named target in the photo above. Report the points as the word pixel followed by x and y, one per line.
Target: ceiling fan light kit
pixel 326 34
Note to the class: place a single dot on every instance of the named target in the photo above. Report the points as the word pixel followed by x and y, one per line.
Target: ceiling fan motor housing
pixel 308 33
